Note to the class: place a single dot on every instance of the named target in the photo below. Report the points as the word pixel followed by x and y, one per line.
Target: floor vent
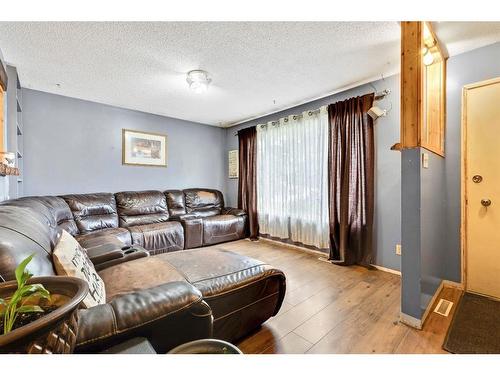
pixel 443 307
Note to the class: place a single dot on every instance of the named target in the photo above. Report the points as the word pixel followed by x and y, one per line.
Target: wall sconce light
pixel 428 57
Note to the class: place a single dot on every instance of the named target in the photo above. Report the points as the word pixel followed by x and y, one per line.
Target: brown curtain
pixel 247 180
pixel 351 180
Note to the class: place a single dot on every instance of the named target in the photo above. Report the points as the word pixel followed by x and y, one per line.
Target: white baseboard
pixel 389 270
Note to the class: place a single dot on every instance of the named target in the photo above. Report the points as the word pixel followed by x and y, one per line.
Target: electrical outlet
pixel 398 249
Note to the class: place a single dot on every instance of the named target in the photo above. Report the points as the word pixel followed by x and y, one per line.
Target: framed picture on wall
pixel 233 167
pixel 142 148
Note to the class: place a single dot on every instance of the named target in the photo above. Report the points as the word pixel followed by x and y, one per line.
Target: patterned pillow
pixel 70 259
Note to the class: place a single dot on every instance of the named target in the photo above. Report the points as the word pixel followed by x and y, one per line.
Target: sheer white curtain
pixel 292 180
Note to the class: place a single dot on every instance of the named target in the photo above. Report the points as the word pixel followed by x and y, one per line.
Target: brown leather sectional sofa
pixel 192 218
pixel 153 289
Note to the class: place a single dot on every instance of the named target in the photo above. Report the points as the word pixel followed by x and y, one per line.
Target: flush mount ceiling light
pixel 198 81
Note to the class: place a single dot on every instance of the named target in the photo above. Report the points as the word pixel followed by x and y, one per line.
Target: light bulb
pixel 428 57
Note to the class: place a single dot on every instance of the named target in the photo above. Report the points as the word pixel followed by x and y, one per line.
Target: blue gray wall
pixel 387 166
pixel 433 203
pixel 73 145
pixel 423 222
pixel 410 232
pixel 431 232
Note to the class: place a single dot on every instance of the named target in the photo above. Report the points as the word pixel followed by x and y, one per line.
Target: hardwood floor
pixel 333 309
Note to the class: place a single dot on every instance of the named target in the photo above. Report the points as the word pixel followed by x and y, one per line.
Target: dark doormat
pixel 475 328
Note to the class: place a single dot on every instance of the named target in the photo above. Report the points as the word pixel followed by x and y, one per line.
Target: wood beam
pixel 411 83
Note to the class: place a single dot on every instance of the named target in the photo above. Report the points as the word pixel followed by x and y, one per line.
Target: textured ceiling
pixel 256 67
pixel 461 37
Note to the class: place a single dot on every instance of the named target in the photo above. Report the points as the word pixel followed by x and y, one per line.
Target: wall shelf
pixel 15 130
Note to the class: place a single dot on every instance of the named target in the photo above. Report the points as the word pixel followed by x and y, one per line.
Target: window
pixel 292 178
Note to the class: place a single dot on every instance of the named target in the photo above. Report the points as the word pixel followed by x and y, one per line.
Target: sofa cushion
pixel 61 213
pixel 222 228
pixel 175 202
pixel 141 207
pixel 203 202
pixel 158 238
pixel 103 236
pixel 70 259
pixel 138 275
pixel 93 211
pixel 41 214
pixel 24 231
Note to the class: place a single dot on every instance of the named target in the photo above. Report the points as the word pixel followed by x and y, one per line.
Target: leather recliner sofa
pixel 167 296
pixel 192 218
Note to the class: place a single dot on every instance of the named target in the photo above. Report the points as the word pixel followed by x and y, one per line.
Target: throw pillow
pixel 70 259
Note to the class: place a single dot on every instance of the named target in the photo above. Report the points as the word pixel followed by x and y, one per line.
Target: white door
pixel 482 187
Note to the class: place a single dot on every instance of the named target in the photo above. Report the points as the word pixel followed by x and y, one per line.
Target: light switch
pixel 398 249
pixel 425 160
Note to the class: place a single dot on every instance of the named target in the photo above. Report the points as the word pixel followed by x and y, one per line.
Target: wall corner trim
pixel 410 321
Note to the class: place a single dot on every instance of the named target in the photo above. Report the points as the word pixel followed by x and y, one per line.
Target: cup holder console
pixel 129 250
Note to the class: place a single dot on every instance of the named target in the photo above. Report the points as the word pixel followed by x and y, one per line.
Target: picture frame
pixel 233 164
pixel 145 149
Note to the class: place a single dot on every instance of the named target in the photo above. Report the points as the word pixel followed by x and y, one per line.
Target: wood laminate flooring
pixel 335 309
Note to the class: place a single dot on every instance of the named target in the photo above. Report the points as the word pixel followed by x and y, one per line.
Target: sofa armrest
pixel 193 232
pixel 167 315
pixel 184 217
pixel 233 211
pixel 104 253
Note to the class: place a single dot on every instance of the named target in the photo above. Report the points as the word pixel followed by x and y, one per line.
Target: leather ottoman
pixel 242 292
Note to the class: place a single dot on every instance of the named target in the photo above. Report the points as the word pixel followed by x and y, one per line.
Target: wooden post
pixel 411 83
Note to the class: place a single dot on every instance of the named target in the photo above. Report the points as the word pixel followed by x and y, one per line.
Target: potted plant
pixel 37 315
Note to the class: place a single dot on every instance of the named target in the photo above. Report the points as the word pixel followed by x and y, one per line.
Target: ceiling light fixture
pixel 198 81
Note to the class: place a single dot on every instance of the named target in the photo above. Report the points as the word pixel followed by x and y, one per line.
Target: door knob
pixel 485 202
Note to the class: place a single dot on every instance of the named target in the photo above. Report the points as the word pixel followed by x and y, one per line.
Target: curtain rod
pixel 378 96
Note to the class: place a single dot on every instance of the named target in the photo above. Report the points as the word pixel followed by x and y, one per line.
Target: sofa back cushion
pixel 141 207
pixel 93 211
pixel 59 211
pixel 203 202
pixel 62 214
pixel 175 202
pixel 43 212
pixel 24 231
